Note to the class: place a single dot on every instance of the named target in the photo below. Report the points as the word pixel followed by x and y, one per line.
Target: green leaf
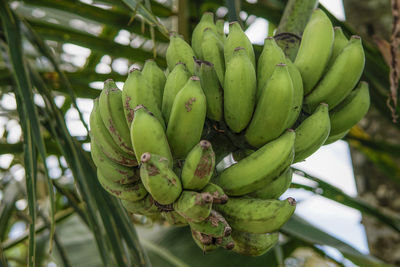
pixel 329 191
pixel 303 230
pixel 30 124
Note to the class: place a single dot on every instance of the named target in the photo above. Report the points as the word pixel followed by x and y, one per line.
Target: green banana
pixel 213 51
pixel 212 89
pixel 203 241
pixel 240 87
pixel 271 55
pixel 187 118
pixel 220 24
pixel 214 225
pixel 253 244
pixel 102 137
pixel 137 91
pixel 340 41
pixel 271 115
pixel 251 173
pixel 206 21
pixel 257 216
pixel 298 93
pixel 351 110
pixel 237 38
pixel 130 192
pixel 333 138
pixel 112 114
pixel 175 82
pixel 340 79
pixel 148 135
pixel 276 188
pixel 312 133
pixel 198 167
pixel 155 77
pixel 159 179
pixel 113 171
pixel 315 49
pixel 179 51
pixel 193 206
pixel 218 194
pixel 173 218
pixel 144 206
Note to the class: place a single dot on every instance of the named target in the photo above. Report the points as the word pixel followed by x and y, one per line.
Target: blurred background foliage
pixel 54 56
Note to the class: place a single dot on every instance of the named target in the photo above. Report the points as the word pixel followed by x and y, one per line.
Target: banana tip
pixel 291 201
pixel 355 37
pixel 207 197
pixel 227 231
pixel 145 157
pixel 324 104
pixel 281 65
pixel 133 69
pixel 238 48
pixel 290 130
pixel 205 144
pixel 230 245
pixel 195 78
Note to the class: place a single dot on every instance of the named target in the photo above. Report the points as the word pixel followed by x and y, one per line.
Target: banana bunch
pixel 148 140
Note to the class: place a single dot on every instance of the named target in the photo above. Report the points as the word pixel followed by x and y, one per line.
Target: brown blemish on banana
pixel 131 113
pixel 204 168
pixel 152 170
pixel 189 103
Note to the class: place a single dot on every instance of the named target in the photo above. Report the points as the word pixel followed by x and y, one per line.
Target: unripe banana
pixel 271 55
pixel 312 133
pixel 206 21
pixel 211 88
pixel 351 110
pixel 137 91
pixel 218 194
pixel 130 192
pixel 340 79
pixel 179 51
pixel 115 172
pixel 159 179
pixel 193 206
pixel 251 173
pixel 155 77
pixel 298 93
pixel 220 24
pixel 173 218
pixel 187 118
pixel 102 137
pixel 333 138
pixel 145 206
pixel 203 241
pixel 175 82
pixel 340 41
pixel 237 38
pixel 315 49
pixel 112 114
pixel 214 225
pixel 240 87
pixel 253 244
pixel 148 135
pixel 213 51
pixel 257 216
pixel 276 188
pixel 198 167
pixel 273 108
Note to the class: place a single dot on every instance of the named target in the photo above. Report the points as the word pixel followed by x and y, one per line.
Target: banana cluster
pixel 146 140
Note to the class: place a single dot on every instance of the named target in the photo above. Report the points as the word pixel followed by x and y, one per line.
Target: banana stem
pixel 293 21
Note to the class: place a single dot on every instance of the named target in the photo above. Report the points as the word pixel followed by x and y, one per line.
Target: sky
pixel 331 163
